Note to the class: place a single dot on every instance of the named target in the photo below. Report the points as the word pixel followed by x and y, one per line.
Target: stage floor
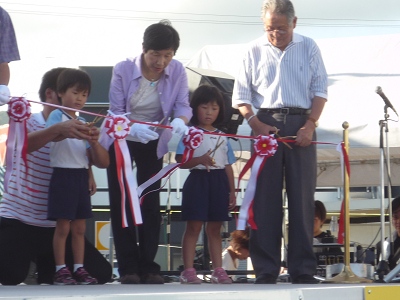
pixel 236 291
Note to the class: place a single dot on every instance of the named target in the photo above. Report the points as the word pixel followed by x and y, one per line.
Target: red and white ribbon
pixel 117 127
pixel 19 110
pixel 264 147
pixel 344 161
pixel 191 141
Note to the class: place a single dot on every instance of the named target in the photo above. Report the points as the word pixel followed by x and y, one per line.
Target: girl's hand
pixel 207 161
pixel 232 201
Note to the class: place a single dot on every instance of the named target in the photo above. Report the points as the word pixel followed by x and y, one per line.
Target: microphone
pixel 385 99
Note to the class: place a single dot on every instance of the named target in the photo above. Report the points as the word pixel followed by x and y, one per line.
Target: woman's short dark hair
pixel 205 94
pixel 320 210
pixel 74 77
pixel 161 36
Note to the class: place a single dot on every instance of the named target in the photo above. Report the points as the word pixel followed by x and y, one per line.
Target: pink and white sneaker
pixel 189 276
pixel 219 276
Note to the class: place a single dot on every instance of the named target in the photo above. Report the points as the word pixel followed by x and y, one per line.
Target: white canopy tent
pixel 355 66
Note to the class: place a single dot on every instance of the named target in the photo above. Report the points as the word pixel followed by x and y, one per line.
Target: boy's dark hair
pixel 320 210
pixel 240 239
pixel 74 77
pixel 161 36
pixel 395 204
pixel 205 94
pixel 49 81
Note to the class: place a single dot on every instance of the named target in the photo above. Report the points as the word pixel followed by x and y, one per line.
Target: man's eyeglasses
pixel 279 31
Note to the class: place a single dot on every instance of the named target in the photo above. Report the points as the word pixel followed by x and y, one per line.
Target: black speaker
pixel 224 82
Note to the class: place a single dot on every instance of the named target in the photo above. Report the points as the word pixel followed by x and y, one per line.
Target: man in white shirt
pixel 283 76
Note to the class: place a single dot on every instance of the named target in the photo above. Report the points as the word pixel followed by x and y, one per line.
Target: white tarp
pixel 355 66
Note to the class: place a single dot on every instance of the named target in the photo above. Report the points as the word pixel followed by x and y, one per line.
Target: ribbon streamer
pixel 344 160
pixel 19 110
pixel 117 127
pixel 191 141
pixel 265 147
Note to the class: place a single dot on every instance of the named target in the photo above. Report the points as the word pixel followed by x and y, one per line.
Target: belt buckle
pixel 285 111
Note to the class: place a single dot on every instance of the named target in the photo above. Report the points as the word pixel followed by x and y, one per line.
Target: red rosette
pixel 193 139
pixel 118 127
pixel 265 145
pixel 19 109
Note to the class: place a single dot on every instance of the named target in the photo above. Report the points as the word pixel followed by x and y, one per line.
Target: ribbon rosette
pixel 117 127
pixel 264 147
pixel 19 110
pixel 191 141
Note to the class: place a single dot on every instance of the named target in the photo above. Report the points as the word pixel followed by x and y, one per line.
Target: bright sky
pixel 71 33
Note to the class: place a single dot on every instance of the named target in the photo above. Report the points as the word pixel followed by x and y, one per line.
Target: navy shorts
pixel 69 196
pixel 205 196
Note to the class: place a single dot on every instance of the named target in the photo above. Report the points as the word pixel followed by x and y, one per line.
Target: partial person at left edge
pixel 8 52
pixel 25 233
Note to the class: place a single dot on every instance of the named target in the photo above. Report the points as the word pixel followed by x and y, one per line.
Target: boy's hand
pixel 93 133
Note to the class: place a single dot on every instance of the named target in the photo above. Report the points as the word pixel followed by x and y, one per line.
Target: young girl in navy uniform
pixel 209 191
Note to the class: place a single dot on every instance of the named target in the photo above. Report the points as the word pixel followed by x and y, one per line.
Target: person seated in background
pixel 392 245
pixel 238 249
pixel 319 220
pixel 325 255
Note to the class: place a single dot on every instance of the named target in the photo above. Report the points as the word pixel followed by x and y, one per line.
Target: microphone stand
pixel 383 266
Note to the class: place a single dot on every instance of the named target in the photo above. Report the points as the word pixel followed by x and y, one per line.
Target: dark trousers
pixel 21 244
pixel 133 258
pixel 294 169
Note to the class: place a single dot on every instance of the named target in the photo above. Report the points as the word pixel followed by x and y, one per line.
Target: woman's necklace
pixel 153 82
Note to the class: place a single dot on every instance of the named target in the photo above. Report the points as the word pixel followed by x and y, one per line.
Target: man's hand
pixel 60 131
pixel 260 128
pixel 305 134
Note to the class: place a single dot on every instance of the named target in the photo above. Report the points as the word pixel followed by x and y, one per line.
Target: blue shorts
pixel 69 196
pixel 205 196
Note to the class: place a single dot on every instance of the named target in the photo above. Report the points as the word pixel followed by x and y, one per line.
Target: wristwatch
pixel 314 121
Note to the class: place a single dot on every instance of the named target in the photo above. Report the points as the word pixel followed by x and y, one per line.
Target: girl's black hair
pixel 205 94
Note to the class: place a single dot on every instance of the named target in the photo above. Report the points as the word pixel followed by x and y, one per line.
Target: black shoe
pixel 130 279
pixel 265 279
pixel 152 278
pixel 305 279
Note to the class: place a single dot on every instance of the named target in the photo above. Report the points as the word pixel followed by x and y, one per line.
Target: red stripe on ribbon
pixel 264 147
pixel 191 141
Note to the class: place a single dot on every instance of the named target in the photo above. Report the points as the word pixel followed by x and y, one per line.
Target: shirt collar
pixel 296 38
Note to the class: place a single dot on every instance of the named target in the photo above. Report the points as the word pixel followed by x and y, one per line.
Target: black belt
pixel 286 111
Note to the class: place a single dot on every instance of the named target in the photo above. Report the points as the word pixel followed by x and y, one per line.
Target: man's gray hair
pixel 282 7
